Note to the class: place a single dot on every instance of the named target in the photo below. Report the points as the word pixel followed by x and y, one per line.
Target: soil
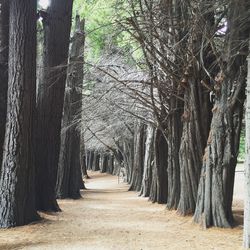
pixel 109 217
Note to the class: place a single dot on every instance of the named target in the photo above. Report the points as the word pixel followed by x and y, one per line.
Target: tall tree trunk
pixel 90 159
pixel 174 140
pixel 138 158
pixel 83 158
pixel 197 109
pixel 148 159
pixel 246 237
pixel 111 164
pixel 57 25
pixel 4 50
pixel 161 164
pixel 105 162
pixel 192 146
pixel 159 186
pixel 17 192
pixel 96 158
pixel 215 194
pixel 69 170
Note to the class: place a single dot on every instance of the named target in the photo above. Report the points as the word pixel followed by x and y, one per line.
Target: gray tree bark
pixel 4 51
pixel 215 193
pixel 57 26
pixel 69 169
pixel 17 191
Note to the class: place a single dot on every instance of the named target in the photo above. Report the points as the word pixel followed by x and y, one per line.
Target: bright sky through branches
pixel 44 3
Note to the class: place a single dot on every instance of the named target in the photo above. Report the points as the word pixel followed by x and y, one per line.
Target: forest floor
pixel 108 217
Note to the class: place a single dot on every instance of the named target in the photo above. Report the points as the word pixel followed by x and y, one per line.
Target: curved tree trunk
pixel 17 192
pixel 4 51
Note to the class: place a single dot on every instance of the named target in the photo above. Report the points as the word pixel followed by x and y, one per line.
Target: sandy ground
pixel 108 217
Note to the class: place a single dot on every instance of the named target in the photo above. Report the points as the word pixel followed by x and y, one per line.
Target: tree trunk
pixel 215 194
pixel 105 162
pixel 197 109
pixel 161 164
pixel 174 140
pixel 17 192
pixel 57 25
pixel 196 125
pixel 148 159
pixel 69 177
pixel 83 157
pixel 90 159
pixel 96 158
pixel 159 186
pixel 4 50
pixel 246 238
pixel 138 159
pixel 111 164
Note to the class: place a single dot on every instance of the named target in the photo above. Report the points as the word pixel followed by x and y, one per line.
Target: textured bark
pixel 17 192
pixel 159 186
pixel 57 25
pixel 174 140
pixel 69 177
pixel 197 112
pixel 153 189
pixel 161 163
pixel 148 162
pixel 246 238
pixel 192 146
pixel 139 142
pixel 4 45
pixel 214 201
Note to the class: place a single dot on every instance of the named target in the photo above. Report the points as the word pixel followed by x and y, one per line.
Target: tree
pixel 246 238
pixel 69 169
pixel 17 196
pixel 196 116
pixel 215 193
pixel 57 25
pixel 138 165
pixel 4 45
pixel 148 162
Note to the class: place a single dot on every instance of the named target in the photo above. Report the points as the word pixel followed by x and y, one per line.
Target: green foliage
pixel 99 18
pixel 102 28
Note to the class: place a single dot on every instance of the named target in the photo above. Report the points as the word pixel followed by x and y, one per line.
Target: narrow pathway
pixel 110 218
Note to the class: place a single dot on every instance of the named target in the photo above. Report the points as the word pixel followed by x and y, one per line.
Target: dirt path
pixel 109 217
